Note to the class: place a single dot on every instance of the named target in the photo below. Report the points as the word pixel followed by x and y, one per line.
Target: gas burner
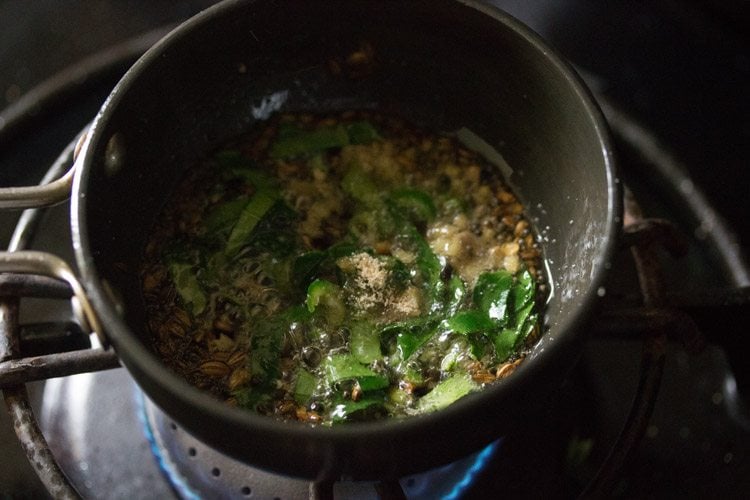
pixel 196 470
pixel 90 416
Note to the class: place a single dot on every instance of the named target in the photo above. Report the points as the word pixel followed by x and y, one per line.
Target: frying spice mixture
pixel 338 268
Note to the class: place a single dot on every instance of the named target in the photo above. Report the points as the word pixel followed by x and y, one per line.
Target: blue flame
pixel 477 467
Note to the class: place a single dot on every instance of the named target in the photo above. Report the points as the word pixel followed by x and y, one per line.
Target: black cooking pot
pixel 449 65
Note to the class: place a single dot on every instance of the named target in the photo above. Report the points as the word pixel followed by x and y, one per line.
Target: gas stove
pixel 671 78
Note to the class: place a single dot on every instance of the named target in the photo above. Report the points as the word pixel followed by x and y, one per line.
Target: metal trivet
pixel 196 470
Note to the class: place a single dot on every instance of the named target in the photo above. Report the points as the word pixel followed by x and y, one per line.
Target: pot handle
pixel 38 196
pixel 46 264
pixel 47 193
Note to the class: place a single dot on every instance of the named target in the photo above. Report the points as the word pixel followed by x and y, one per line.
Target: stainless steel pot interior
pixel 443 64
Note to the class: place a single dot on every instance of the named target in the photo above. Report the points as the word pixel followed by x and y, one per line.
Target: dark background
pixel 680 67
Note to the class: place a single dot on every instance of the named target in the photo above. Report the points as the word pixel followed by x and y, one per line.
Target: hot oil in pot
pixel 343 267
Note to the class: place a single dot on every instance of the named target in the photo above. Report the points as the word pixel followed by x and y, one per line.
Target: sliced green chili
pixel 416 204
pixel 345 410
pixel 250 216
pixel 344 367
pixel 446 392
pixel 364 342
pixel 305 386
pixel 326 296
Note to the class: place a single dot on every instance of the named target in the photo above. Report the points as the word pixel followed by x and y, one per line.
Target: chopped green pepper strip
pixel 235 165
pixel 321 291
pixel 360 187
pixel 326 296
pixel 416 204
pixel 297 142
pixel 347 410
pixel 362 132
pixel 260 180
pixel 365 342
pixel 305 386
pixel 251 215
pixel 343 367
pixel 446 392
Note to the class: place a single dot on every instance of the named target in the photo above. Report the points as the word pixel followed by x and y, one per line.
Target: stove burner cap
pixel 196 470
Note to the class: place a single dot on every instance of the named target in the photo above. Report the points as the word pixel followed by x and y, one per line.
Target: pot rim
pixel 126 342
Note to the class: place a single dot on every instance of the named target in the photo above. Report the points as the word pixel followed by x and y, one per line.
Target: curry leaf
pixel 523 293
pixel 455 293
pixel 491 294
pixel 521 318
pixel 275 233
pixel 306 266
pixel 265 350
pixel 222 219
pixel 505 344
pixel 471 321
pixel 410 335
pixel 187 286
